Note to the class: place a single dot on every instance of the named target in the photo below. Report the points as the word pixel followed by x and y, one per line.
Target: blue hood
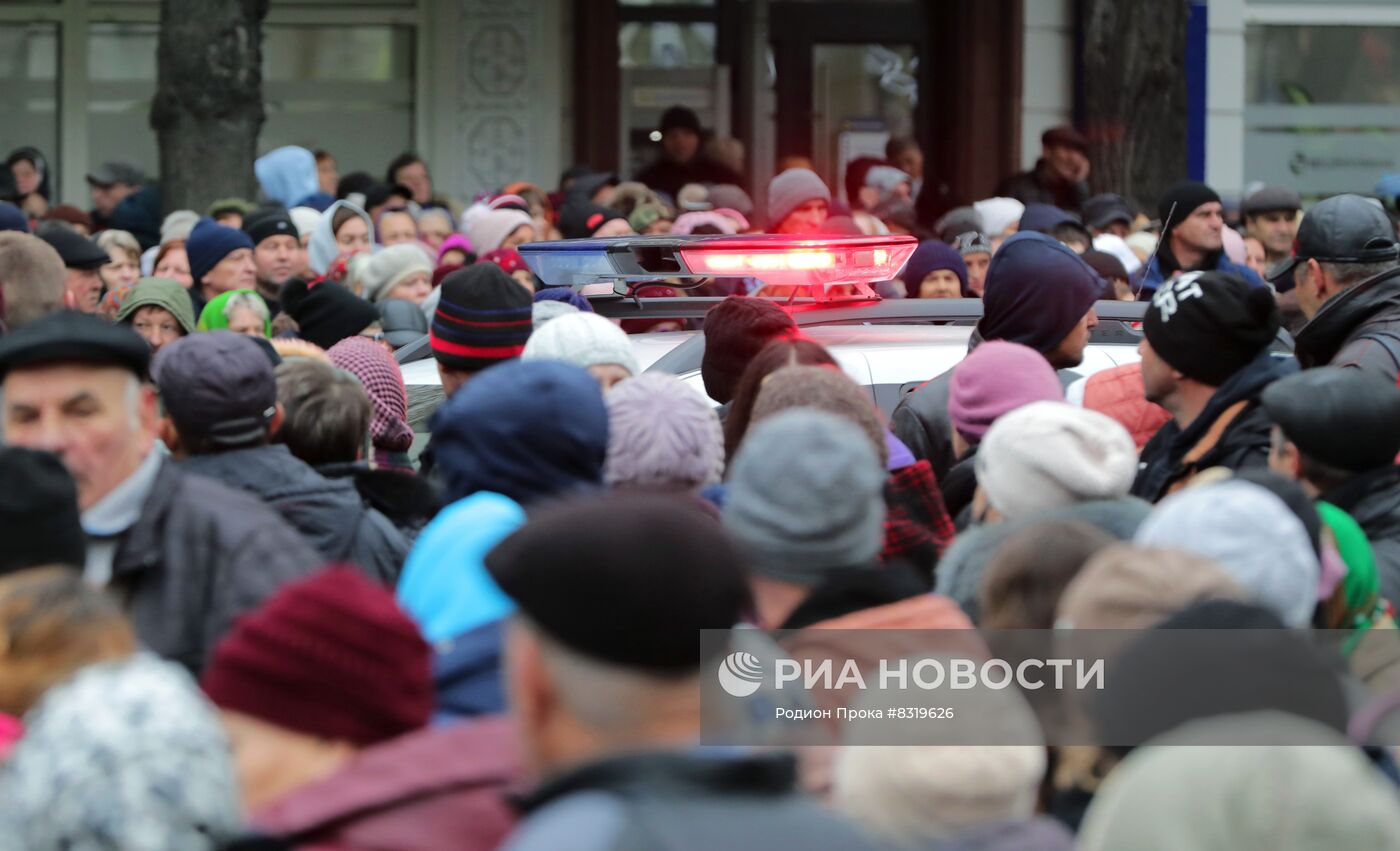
pixel 1037 290
pixel 1044 218
pixel 444 586
pixel 287 175
pixel 526 429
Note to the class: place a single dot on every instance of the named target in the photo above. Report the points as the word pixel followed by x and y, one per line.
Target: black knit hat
pixel 638 600
pixel 680 117
pixel 1180 201
pixel 1346 418
pixel 325 311
pixel 38 512
pixel 736 330
pixel 580 219
pixel 1209 325
pixel 483 317
pixel 270 222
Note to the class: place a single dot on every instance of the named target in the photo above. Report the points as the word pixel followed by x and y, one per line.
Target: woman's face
pixel 453 258
pixel 244 320
pixel 123 270
pixel 156 325
pixel 396 228
pixel 27 177
pixel 434 230
pixel 175 265
pixel 353 236
pixel 415 289
pixel 519 236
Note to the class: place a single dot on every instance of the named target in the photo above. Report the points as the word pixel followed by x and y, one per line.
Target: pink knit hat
pixel 996 378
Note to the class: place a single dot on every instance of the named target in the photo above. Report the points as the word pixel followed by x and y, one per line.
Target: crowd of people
pixel 241 606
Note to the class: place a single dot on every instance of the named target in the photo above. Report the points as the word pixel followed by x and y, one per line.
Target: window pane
pixel 1320 106
pixel 346 89
pixel 29 89
pixel 666 45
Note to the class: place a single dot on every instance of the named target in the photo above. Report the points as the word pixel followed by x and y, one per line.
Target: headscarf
pixel 382 379
pixel 1361 587
pixel 157 292
pixel 214 318
pixel 322 250
pixel 125 755
pixel 41 165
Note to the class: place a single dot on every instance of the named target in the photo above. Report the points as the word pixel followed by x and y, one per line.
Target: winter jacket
pixel 328 513
pixel 200 555
pixel 1042 185
pixel 1037 833
pixel 1120 394
pixel 959 487
pixel 1154 272
pixel 1373 500
pixel 681 801
pixel 445 588
pixel 428 790
pixel 408 500
pixel 668 176
pixel 917 526
pixel 1231 431
pixel 1359 327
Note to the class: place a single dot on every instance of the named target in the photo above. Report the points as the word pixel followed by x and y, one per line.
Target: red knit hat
pixel 331 656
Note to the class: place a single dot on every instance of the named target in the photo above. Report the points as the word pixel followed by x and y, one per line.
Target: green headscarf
pixel 163 293
pixel 214 316
pixel 1361 588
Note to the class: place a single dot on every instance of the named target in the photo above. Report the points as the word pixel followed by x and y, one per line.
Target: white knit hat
pixel 1051 454
pixel 488 228
pixel 582 339
pixel 391 266
pixel 998 213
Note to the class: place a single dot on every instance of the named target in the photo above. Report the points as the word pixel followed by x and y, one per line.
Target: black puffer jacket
pixel 1241 445
pixel 1373 501
pixel 327 512
pixel 1360 327
pixel 200 555
pixel 1042 185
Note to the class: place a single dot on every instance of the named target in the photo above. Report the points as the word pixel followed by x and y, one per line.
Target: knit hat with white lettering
pixel 1209 325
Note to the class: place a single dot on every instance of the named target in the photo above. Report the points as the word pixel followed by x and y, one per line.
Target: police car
pixel 889 346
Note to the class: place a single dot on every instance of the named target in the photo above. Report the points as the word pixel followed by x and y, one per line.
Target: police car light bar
pixel 777 261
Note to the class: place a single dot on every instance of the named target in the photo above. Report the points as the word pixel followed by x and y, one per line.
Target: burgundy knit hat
pixel 382 379
pixel 330 656
pixel 736 330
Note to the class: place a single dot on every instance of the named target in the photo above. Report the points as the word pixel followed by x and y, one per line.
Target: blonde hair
pixel 53 624
pixel 120 239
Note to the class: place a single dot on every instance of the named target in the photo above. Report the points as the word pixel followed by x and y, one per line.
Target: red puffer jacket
pixel 1118 392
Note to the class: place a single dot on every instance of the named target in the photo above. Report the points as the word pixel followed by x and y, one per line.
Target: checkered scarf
pixel 383 382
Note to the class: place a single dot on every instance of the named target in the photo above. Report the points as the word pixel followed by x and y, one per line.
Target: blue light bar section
pixel 574 267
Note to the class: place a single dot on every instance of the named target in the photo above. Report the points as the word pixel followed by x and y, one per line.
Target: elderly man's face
pixel 98 420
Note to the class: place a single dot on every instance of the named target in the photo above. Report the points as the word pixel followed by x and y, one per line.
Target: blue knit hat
pixel 566 295
pixel 1037 290
pixel 211 242
pixel 933 255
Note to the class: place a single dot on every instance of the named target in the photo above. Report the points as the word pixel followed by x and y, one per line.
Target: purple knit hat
pixel 996 378
pixel 383 383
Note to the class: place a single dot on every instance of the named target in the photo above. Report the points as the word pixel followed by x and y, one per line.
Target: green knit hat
pixel 214 316
pixel 163 293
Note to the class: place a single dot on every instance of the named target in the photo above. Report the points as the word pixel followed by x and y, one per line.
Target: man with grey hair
pixel 186 555
pixel 1347 278
pixel 603 671
pixel 32 275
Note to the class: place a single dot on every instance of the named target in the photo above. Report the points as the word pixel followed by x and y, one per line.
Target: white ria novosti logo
pixel 740 674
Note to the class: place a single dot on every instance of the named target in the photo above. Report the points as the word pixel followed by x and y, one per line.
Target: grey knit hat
pixel 662 435
pixel 792 189
pixel 805 497
pixel 548 310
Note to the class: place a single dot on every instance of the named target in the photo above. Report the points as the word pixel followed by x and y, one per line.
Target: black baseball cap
pixel 1342 229
pixel 217 385
pixel 1102 210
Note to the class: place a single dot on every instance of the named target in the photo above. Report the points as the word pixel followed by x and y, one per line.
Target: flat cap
pixel 1343 417
pixel 218 385
pixel 113 172
pixel 77 251
pixel 1271 198
pixel 635 601
pixel 72 337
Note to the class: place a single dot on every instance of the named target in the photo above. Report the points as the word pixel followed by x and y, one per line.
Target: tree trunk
pixel 208 107
pixel 1134 83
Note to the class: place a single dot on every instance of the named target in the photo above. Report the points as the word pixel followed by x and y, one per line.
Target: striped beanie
pixel 483 317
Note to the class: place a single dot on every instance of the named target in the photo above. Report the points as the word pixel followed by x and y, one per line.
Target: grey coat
pixel 199 555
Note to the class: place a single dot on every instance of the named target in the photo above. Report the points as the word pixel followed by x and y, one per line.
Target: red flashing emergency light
pixel 816 263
